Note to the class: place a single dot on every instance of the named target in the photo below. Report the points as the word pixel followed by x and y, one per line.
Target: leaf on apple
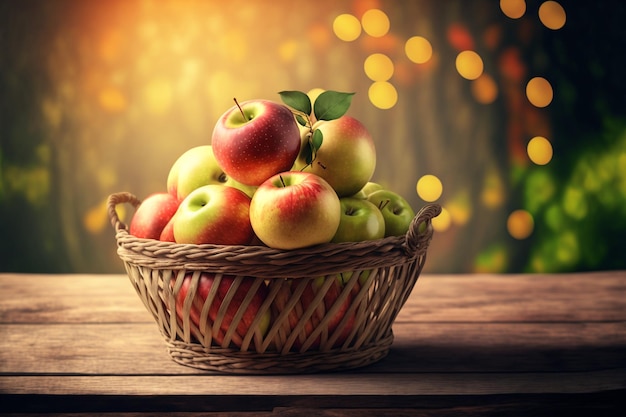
pixel 331 105
pixel 297 100
pixel 301 120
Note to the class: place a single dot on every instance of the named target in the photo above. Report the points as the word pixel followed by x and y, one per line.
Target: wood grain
pixel 464 345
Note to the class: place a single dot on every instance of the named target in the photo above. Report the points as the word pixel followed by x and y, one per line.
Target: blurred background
pixel 511 114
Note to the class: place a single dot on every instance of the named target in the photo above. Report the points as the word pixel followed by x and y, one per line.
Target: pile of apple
pixel 286 175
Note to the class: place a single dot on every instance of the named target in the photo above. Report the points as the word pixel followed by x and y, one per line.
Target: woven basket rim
pixel 315 260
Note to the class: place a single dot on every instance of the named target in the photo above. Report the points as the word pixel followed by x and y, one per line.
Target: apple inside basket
pixel 256 309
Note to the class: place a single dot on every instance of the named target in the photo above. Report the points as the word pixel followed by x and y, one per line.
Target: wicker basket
pixel 257 310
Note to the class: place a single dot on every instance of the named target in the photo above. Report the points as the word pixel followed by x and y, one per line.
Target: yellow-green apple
pixel 201 295
pixel 346 158
pixel 294 210
pixel 216 214
pixel 397 212
pixel 197 167
pixel 360 220
pixel 152 215
pixel 256 139
pixel 370 187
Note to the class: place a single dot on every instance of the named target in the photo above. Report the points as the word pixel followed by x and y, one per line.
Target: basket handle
pixel 420 231
pixel 113 201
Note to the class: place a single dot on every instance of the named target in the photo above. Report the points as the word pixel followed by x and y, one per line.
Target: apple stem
pixel 240 109
pixel 383 204
pixel 282 181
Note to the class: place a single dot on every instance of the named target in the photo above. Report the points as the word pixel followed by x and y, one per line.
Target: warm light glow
pixel 383 95
pixel 469 65
pixel 552 15
pixel 539 92
pixel 520 224
pixel 158 95
pixel 485 89
pixel 513 8
pixel 429 188
pixel 539 150
pixel 442 222
pixel 347 27
pixel 112 99
pixel 418 49
pixel 378 67
pixel 375 23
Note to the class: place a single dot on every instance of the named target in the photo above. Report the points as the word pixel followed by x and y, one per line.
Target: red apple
pixel 346 158
pixel 154 212
pixel 294 210
pixel 330 298
pixel 167 234
pixel 255 140
pixel 251 310
pixel 216 214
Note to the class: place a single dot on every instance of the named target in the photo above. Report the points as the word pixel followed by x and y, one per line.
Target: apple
pixel 294 210
pixel 397 212
pixel 346 158
pixel 167 234
pixel 216 214
pixel 360 220
pixel 203 289
pixel 255 140
pixel 197 167
pixel 370 187
pixel 330 298
pixel 152 215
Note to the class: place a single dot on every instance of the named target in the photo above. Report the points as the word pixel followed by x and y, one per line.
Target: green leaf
pixel 316 140
pixel 301 120
pixel 332 105
pixel 307 152
pixel 297 100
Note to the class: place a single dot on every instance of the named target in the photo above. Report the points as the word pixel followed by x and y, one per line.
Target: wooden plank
pixel 343 385
pixel 69 298
pixel 138 348
pixel 480 297
pixel 593 296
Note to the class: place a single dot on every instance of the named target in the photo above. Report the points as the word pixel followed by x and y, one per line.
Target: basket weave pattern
pixel 326 307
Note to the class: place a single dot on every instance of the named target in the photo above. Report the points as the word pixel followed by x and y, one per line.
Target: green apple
pixel 397 212
pixel 255 140
pixel 367 189
pixel 346 158
pixel 360 220
pixel 216 214
pixel 294 210
pixel 197 167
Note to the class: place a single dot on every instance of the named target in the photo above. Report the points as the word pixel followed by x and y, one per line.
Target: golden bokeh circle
pixel 347 27
pixel 469 64
pixel 418 49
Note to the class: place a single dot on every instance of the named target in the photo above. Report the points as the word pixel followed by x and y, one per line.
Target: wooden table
pixel 464 345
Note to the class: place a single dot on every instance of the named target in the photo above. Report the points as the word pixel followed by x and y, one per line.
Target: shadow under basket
pixel 258 310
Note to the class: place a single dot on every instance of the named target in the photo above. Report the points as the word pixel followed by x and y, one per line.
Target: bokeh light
pixel 540 150
pixel 383 95
pixel 520 224
pixel 469 65
pixel 539 92
pixel 378 67
pixel 513 8
pixel 375 23
pixel 552 15
pixel 429 188
pixel 484 89
pixel 347 27
pixel 418 49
